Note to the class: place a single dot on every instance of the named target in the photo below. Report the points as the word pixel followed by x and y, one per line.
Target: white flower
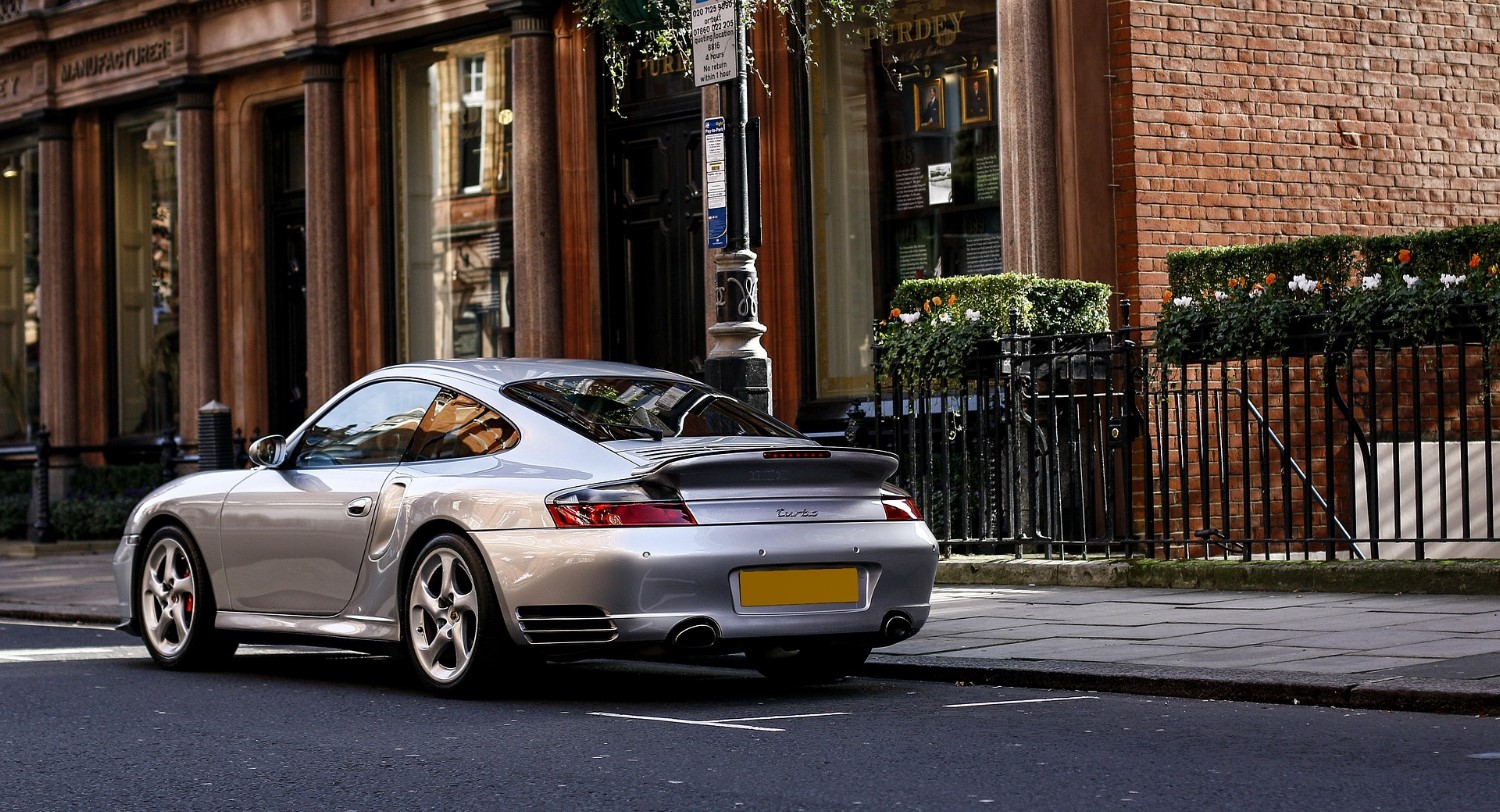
pixel 909 318
pixel 1370 282
pixel 1183 301
pixel 945 318
pixel 971 314
pixel 1300 282
pixel 1449 280
pixel 1411 281
pixel 1220 296
pixel 1256 292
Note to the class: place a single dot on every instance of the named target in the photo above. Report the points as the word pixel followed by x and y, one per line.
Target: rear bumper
pixel 636 585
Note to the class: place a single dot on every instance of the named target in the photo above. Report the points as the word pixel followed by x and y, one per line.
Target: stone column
pixel 197 253
pixel 327 253
pixel 59 343
pixel 538 251
pixel 1028 138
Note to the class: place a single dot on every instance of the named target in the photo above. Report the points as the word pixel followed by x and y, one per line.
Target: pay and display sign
pixel 715 30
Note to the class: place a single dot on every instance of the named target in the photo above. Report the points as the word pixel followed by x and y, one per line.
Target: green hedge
pixel 98 502
pixel 13 515
pixel 1328 259
pixel 1334 259
pixel 87 519
pixel 1047 306
pixel 1405 289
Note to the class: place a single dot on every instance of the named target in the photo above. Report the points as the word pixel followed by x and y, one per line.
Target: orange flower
pixel 1270 279
pixel 1403 256
pixel 1166 297
pixel 895 312
pixel 937 300
pixel 1474 261
pixel 1234 282
pixel 953 297
pixel 927 307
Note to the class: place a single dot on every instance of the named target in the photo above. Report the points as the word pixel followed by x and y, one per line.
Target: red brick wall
pixel 1248 121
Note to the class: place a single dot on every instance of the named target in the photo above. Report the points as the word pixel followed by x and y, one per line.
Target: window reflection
pixel 19 266
pixel 459 426
pixel 146 315
pixel 453 202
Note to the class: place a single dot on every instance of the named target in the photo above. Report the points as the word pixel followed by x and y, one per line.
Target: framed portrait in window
pixel 927 101
pixel 978 99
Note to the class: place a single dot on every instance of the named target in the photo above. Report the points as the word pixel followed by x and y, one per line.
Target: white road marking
pixel 793 716
pixel 729 723
pixel 136 652
pixel 49 655
pixel 689 722
pixel 1020 701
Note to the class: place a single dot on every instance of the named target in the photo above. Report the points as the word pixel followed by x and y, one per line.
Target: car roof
pixel 505 371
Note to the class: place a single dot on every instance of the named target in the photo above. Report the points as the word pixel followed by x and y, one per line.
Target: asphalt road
pixel 88 722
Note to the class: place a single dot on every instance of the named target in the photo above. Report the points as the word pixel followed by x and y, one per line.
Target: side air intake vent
pixel 561 625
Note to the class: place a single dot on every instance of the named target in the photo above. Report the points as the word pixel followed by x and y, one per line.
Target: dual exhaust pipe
pixel 699 633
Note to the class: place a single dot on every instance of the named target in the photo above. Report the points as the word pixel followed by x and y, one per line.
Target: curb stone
pixel 1281 688
pixel 1440 577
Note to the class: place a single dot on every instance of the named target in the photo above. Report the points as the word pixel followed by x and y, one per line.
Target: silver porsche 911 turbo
pixel 481 513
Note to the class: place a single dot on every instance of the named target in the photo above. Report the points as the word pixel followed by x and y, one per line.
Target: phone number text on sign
pixel 714 30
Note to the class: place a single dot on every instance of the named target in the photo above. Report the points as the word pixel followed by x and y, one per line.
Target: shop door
pixel 286 269
pixel 653 310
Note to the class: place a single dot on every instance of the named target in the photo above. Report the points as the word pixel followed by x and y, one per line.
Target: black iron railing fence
pixel 49 465
pixel 1092 445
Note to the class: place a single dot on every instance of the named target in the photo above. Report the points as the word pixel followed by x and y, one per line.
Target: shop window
pixel 19 322
pixel 145 271
pixel 452 117
pixel 906 171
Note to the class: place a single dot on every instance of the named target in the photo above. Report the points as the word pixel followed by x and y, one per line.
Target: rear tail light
pixel 628 505
pixel 899 506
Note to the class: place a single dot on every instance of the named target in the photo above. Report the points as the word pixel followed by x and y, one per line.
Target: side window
pixel 372 425
pixel 459 426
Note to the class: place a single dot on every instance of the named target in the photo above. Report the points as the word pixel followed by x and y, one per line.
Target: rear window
pixel 642 408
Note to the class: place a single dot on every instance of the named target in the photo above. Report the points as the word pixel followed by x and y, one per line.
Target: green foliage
pixel 1067 306
pixel 13 515
pixel 88 519
pixel 947 318
pixel 1378 291
pixel 134 481
pixel 15 481
pixel 662 28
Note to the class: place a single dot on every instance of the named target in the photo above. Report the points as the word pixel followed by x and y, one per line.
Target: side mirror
pixel 268 452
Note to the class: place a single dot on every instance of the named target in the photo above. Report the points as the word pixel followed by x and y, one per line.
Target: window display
pixel 906 170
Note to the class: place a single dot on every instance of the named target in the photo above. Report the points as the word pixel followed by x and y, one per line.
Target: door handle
pixel 359 507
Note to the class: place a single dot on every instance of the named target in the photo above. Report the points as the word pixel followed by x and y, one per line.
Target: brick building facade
pixel 1248 122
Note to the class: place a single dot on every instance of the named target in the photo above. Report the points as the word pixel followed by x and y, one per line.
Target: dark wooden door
pixel 653 301
pixel 286 269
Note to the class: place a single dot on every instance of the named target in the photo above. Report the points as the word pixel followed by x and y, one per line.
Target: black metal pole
pixel 737 363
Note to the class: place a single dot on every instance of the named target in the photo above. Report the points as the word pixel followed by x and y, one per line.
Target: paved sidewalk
pixel 1397 652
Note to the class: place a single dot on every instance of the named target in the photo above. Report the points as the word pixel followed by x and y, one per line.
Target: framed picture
pixel 978 99
pixel 927 105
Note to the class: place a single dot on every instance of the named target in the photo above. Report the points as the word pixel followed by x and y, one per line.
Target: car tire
pixel 175 604
pixel 451 627
pixel 814 665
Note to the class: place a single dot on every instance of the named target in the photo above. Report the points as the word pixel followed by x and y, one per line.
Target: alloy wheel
pixel 168 597
pixel 443 615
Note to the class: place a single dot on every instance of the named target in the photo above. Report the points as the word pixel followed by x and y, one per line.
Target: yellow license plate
pixel 799 587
